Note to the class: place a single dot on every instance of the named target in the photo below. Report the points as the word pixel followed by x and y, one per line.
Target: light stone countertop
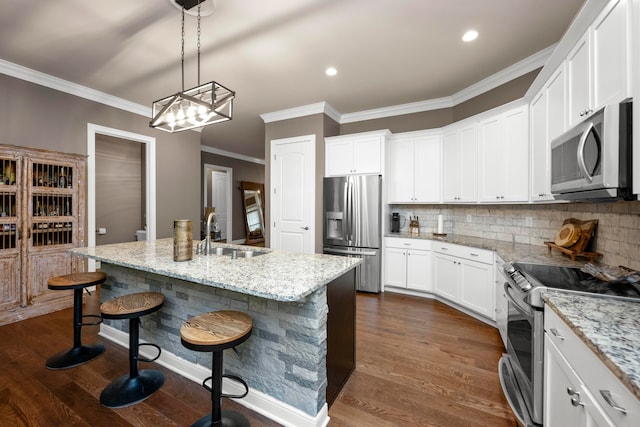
pixel 509 252
pixel 609 327
pixel 278 275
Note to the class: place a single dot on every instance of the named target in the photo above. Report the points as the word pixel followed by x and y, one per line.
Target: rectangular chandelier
pixel 193 108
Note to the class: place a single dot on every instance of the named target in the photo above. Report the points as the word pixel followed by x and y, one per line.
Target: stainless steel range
pixel 521 369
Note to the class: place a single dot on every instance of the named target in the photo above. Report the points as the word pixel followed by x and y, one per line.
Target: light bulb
pixel 180 117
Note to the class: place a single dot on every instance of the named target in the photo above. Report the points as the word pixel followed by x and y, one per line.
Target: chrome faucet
pixel 207 238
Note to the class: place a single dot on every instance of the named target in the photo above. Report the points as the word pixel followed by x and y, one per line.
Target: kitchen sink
pixel 239 252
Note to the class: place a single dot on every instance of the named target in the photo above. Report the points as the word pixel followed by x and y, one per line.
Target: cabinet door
pixel 567 402
pixel 476 287
pixel 469 169
pixel 491 160
pixel 367 155
pixel 11 232
pixel 502 306
pixel 427 169
pixel 395 267
pixel 513 182
pixel 419 270
pixel 400 176
pixel 579 73
pixel 540 187
pixel 556 93
pixel 445 276
pixel 610 56
pixel 338 158
pixel 452 159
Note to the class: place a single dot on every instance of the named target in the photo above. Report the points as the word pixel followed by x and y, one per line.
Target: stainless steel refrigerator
pixel 351 224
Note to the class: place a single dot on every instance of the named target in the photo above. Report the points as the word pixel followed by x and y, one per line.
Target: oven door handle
pixel 511 390
pixel 526 310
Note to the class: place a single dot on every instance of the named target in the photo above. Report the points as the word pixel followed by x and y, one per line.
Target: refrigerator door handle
pixel 349 210
pixel 345 231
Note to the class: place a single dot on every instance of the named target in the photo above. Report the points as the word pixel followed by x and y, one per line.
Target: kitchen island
pixel 302 349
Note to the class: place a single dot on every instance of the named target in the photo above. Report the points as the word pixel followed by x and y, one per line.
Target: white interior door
pixel 293 193
pixel 219 200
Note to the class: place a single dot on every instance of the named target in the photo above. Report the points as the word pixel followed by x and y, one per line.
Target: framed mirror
pixel 253 209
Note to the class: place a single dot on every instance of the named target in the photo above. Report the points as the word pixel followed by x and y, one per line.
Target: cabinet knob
pixel 575 400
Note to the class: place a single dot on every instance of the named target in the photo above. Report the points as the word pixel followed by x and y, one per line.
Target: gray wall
pixel 119 189
pixel 242 171
pixel 316 124
pixel 35 116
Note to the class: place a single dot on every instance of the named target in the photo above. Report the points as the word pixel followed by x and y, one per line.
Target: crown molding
pixel 533 62
pixel 231 154
pixel 302 111
pixel 397 110
pixel 42 79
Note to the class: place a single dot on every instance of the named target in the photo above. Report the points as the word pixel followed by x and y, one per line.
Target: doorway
pixel 218 193
pixel 149 144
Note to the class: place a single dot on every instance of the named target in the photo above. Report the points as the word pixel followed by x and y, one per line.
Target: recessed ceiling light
pixel 470 36
pixel 331 71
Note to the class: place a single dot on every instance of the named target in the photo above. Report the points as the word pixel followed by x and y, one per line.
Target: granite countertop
pixel 609 327
pixel 278 275
pixel 509 252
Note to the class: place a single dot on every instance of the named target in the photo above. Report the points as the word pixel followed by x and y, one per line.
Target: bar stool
pixel 79 354
pixel 214 332
pixel 135 386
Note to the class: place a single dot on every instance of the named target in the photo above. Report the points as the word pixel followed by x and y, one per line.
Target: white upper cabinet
pixel 598 65
pixel 460 163
pixel 540 177
pixel 504 157
pixel 414 165
pixel 546 122
pixel 355 154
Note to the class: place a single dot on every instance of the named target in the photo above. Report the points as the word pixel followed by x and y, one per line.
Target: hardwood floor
pixel 419 363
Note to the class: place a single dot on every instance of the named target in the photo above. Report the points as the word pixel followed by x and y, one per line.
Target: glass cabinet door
pixel 10 231
pixel 51 205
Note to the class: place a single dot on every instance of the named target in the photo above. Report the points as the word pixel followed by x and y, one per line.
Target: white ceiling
pixel 274 53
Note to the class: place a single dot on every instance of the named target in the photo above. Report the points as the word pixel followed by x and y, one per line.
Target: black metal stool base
pixel 74 357
pixel 126 391
pixel 229 419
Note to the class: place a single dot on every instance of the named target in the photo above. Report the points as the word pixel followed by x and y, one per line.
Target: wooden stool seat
pixel 79 353
pixel 216 330
pixel 132 305
pixel 76 280
pixel 135 386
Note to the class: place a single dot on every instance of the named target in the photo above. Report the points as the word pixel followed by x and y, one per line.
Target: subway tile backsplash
pixel 617 236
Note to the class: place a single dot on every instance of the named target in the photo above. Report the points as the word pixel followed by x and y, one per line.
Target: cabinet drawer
pixel 402 243
pixel 608 391
pixel 466 252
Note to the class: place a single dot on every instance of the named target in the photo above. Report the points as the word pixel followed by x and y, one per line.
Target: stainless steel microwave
pixel 592 161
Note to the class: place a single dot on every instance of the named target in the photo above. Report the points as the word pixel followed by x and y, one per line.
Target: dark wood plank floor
pixel 419 363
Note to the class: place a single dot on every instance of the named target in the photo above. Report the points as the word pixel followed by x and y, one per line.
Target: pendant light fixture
pixel 202 105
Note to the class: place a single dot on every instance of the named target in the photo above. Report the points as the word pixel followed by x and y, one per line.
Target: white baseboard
pixel 257 401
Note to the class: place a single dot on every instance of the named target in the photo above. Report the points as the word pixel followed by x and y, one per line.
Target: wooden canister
pixel 182 240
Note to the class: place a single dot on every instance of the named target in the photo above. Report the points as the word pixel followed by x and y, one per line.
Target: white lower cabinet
pixel 464 275
pixel 502 304
pixel 579 390
pixel 407 263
